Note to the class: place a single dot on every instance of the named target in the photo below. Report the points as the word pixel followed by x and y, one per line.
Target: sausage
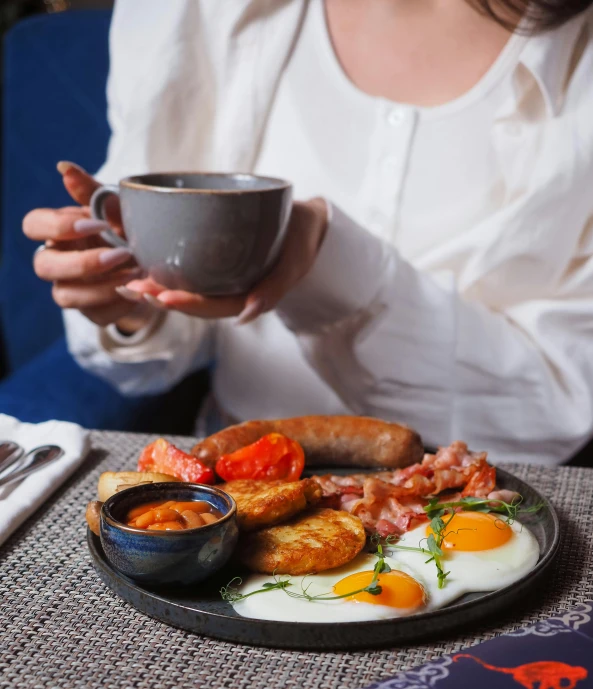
pixel 93 516
pixel 327 440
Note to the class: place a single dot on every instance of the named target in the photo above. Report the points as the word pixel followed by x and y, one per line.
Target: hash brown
pixel 265 503
pixel 312 542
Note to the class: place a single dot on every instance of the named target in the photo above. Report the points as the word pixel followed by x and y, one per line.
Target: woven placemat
pixel 60 627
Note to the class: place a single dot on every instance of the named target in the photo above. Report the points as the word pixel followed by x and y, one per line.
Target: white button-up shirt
pixel 466 315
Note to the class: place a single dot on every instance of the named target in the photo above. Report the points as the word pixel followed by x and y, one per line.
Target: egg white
pixel 278 605
pixel 473 571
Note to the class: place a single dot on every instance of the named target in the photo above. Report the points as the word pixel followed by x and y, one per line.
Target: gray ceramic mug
pixel 213 234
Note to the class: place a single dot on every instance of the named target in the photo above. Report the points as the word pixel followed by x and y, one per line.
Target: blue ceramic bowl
pixel 163 558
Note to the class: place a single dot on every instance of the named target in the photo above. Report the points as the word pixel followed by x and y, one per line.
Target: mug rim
pixel 276 183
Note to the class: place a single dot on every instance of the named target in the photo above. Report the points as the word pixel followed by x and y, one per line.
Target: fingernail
pixel 153 301
pixel 90 226
pixel 65 165
pixel 251 311
pixel 128 294
pixel 113 257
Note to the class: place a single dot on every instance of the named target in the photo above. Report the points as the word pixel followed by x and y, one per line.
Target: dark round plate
pixel 201 609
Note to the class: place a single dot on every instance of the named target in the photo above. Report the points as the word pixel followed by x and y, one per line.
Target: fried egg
pixel 402 594
pixel 481 553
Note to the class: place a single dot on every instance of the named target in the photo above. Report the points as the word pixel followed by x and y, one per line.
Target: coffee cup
pixel 209 233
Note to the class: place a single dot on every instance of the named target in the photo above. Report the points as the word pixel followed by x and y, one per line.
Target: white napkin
pixel 19 500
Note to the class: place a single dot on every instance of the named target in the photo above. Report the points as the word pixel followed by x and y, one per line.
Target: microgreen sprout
pixel 230 592
pixel 441 514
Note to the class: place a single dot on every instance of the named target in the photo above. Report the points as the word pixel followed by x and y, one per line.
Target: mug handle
pixel 98 213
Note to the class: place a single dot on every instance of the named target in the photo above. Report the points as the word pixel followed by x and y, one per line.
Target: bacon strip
pixel 482 481
pixel 380 510
pixel 392 502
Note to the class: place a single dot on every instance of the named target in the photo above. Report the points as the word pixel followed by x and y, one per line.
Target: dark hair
pixel 540 15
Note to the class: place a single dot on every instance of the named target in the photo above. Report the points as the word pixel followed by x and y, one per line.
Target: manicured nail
pixel 251 311
pixel 113 257
pixel 65 165
pixel 90 226
pixel 153 301
pixel 129 294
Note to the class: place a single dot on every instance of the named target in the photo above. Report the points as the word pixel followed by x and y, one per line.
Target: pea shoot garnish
pixel 509 509
pixel 441 514
pixel 232 595
pixel 281 582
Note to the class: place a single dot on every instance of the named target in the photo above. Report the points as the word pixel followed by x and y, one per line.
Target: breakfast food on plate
pixel 314 598
pixel 111 482
pixel 440 528
pixel 392 502
pixel 172 515
pixel 311 542
pixel 93 516
pixel 272 457
pixel 480 560
pixel 481 552
pixel 436 525
pixel 265 503
pixel 334 440
pixel 162 456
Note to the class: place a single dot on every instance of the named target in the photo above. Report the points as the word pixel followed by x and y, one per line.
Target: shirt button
pixel 396 116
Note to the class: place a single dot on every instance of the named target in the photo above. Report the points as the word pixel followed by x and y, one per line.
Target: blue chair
pixel 55 73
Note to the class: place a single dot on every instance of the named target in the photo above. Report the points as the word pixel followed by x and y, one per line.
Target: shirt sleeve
pixel 150 56
pixel 171 347
pixel 512 374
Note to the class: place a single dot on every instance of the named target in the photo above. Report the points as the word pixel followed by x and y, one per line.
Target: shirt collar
pixel 547 57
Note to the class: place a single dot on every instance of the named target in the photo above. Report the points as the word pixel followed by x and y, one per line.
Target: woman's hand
pixel 84 270
pixel 307 226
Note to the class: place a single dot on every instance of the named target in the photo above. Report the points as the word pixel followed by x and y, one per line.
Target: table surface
pixel 60 627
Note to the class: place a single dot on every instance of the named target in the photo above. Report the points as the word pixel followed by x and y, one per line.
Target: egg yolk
pixel 474 531
pixel 399 590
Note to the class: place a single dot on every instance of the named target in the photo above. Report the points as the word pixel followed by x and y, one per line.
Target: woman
pixel 441 274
